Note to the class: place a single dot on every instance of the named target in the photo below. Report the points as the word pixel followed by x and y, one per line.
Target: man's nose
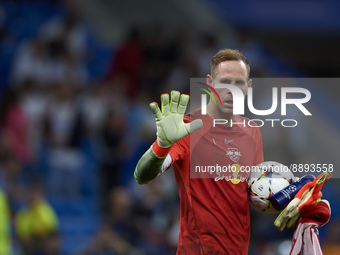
pixel 227 91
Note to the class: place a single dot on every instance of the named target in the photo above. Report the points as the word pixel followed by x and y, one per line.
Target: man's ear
pixel 209 80
pixel 250 82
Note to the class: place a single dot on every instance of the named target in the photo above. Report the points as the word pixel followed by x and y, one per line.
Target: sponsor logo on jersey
pixel 235 176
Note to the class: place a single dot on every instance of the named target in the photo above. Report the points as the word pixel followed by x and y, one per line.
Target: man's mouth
pixel 228 103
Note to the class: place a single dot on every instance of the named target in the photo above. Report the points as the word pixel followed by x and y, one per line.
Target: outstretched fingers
pixel 155 110
pixel 165 104
pixel 183 103
pixel 175 95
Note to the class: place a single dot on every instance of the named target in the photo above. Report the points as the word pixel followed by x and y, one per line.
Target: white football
pixel 264 181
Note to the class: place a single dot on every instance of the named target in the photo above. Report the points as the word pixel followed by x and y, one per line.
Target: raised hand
pixel 169 121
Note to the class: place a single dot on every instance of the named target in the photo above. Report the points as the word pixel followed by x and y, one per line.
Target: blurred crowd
pixel 68 136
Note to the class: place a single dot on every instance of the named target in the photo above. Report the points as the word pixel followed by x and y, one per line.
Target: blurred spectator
pixel 184 64
pixel 114 150
pixel 179 78
pixel 52 245
pixel 69 31
pixel 11 182
pixel 5 226
pixel 107 242
pixel 94 110
pixel 116 94
pixel 30 62
pixel 65 176
pixel 140 120
pixel 36 221
pixel 156 61
pixel 120 216
pixel 141 132
pixel 156 212
pixel 205 52
pixel 14 125
pixel 47 62
pixel 67 37
pixel 99 101
pixel 34 103
pixel 62 117
pixel 63 134
pixel 118 233
pixel 174 230
pixel 128 62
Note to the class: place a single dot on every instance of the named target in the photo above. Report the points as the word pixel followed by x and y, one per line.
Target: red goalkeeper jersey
pixel 211 175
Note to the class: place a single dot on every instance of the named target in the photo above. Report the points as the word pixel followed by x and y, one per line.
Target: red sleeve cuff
pixel 160 151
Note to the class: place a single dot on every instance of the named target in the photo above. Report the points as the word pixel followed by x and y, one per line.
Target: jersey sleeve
pixel 177 152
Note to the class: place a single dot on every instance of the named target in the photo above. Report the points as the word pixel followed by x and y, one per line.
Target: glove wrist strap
pixel 160 151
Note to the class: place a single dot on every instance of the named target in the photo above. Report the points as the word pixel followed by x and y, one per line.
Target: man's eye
pixel 226 81
pixel 239 82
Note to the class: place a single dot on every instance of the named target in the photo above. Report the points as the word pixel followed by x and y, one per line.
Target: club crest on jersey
pixel 234 154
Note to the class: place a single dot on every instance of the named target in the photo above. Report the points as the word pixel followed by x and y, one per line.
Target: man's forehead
pixel 228 77
pixel 231 69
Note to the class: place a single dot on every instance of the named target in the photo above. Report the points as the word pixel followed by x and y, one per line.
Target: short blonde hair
pixel 228 55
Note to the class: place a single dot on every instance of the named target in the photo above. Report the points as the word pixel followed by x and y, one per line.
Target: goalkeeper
pixel 214 212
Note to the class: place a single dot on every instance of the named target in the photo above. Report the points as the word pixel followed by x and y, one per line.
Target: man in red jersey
pixel 215 215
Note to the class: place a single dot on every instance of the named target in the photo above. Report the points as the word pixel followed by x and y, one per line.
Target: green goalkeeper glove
pixel 170 129
pixel 169 121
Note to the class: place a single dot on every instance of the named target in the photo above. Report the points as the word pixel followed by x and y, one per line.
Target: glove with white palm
pixel 169 121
